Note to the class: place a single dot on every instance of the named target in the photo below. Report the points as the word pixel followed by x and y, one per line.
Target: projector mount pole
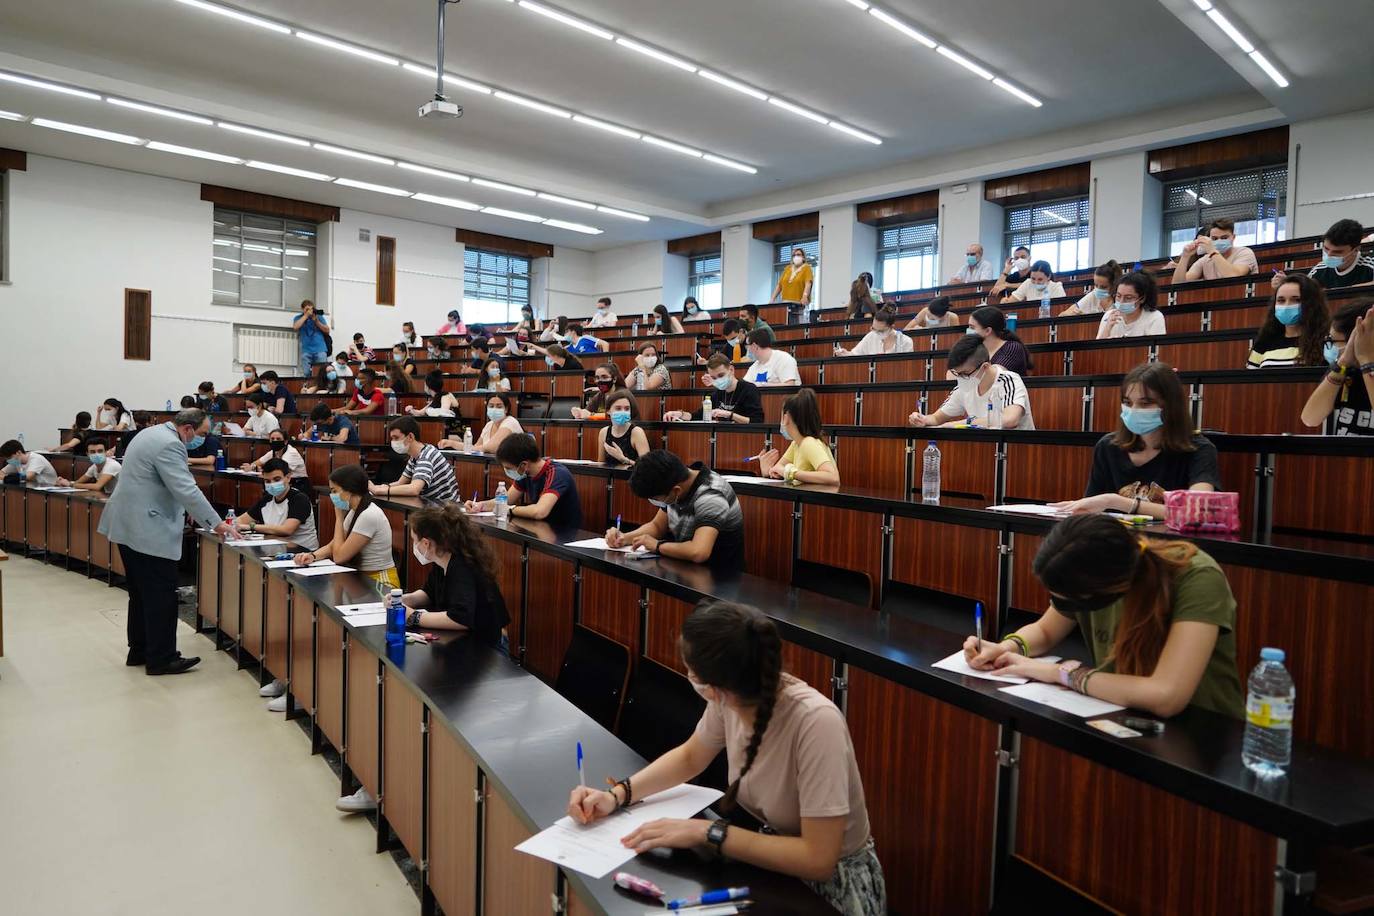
pixel 439 57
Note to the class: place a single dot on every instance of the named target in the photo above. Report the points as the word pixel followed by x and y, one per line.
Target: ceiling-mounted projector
pixel 441 108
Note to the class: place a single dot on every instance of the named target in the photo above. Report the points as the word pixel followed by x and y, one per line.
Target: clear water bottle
pixel 391 405
pixel 1045 303
pixel 395 619
pixel 467 439
pixel 706 407
pixel 502 507
pixel 994 417
pixel 634 328
pixel 169 405
pixel 1269 717
pixel 930 474
pixel 21 440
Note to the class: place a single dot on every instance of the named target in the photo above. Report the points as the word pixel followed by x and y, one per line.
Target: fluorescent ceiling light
pixel 502 186
pixel 859 3
pixel 369 186
pixel 1231 31
pixel 353 154
pixel 733 84
pixel 1023 96
pixel 798 110
pixel 437 173
pixel 609 128
pixel 1279 79
pixel 287 170
pixel 235 14
pixel 444 202
pixel 855 132
pixel 730 164
pixel 1203 5
pixel 190 151
pixel 572 227
pixel 164 112
pixel 963 61
pixel 559 16
pixel 675 147
pixel 264 134
pixel 656 54
pixel 567 201
pixel 88 131
pixel 531 103
pixel 51 87
pixel 885 17
pixel 513 214
pixel 348 48
pixel 467 84
pixel 11 116
pixel 626 214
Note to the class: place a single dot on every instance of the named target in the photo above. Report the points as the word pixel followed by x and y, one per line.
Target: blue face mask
pixel 1101 293
pixel 1221 245
pixel 785 434
pixel 275 488
pixel 496 414
pixel 1332 260
pixel 195 443
pixel 659 503
pixel 971 259
pixel 1288 315
pixel 358 383
pixel 548 361
pixel 721 383
pixel 339 502
pixel 620 417
pixel 1126 308
pixel 331 375
pixel 97 460
pixel 1332 352
pixel 512 474
pixel 12 462
pixel 1142 420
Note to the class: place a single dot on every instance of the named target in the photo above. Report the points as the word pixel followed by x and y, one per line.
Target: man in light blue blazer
pixel 145 518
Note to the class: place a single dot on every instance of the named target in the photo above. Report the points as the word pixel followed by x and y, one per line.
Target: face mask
pixel 620 417
pixel 970 331
pixel 496 414
pixel 968 385
pixel 1100 293
pixel 1019 265
pixel 603 309
pixel 513 475
pixel 1142 420
pixel 269 387
pixel 785 434
pixel 398 357
pixel 421 557
pixel 691 310
pixel 527 315
pixel 97 460
pixel 1222 245
pixel 799 261
pixel 358 383
pixel 1038 287
pixel 548 361
pixel 971 259
pixel 248 375
pixel 1288 315
pixel 12 462
pixel 339 502
pixel 650 361
pixel 277 446
pixel 195 443
pixel 398 446
pixel 722 382
pixel 1332 353
pixel 882 332
pixel 1126 308
pixel 332 375
pixel 275 488
pixel 1085 605
pixel 603 385
pixel 659 503
pixel 933 321
pixel 493 372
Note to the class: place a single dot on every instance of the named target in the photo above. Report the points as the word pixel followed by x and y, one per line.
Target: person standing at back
pixel 797 278
pixel 144 519
pixel 311 329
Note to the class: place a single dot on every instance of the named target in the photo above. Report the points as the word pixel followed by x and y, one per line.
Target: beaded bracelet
pixel 1078 679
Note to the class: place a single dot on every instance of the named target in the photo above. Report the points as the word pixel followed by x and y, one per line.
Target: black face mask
pixel 1087 604
pixel 278 446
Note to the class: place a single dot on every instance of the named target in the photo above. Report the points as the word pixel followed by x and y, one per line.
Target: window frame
pixel 923 251
pixel 1262 173
pixel 700 274
pixel 782 256
pixel 1082 222
pixel 224 244
pixel 472 289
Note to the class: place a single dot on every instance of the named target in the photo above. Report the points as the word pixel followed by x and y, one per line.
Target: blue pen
pixel 978 623
pixel 721 896
pixel 581 780
pixel 617 523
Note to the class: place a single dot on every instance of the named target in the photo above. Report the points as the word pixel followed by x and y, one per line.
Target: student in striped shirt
pixel 1294 330
pixel 428 473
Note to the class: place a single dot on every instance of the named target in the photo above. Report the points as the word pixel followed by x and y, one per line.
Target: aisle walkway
pixel 127 794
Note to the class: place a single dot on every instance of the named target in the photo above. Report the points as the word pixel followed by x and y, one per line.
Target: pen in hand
pixel 581 778
pixel 978 623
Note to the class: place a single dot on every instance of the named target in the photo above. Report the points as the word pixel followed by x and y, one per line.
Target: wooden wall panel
pixel 56 505
pixel 1048 472
pixel 696 245
pixel 452 824
pixel 268 205
pixel 665 624
pixel 503 244
pixel 879 465
pixel 561 442
pixel 1136 848
pixel 1197 357
pixel 846 371
pixel 1046 184
pixel 230 593
pixel 1057 408
pixel 690 443
pixel 79 533
pixel 733 448
pixel 610 606
pixel 510 576
pixel 207 580
pixel 954 559
pixel 402 766
pixel 1108 360
pixel 548 614
pixel 768 544
pixel 902 370
pixel 592 494
pixel 904 209
pixel 1223 154
pixel 1314 492
pixel 329 679
pixel 966 468
pixel 813 667
pixel 944 786
pixel 1242 408
pixel 888 408
pixel 13 160
pixel 362 716
pixel 252 608
pixel 788 227
pixel 301 668
pixel 138 324
pixel 386 270
pixel 1027 594
pixel 100 545
pixel 277 632
pixel 512 882
pixel 846 538
pixel 838 408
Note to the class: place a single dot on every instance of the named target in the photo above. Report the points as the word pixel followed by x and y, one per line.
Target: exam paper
pixel 745 478
pixel 350 610
pixel 959 665
pixel 1061 698
pixel 327 570
pixel 1030 509
pixel 600 544
pixel 595 849
pixel 375 619
pixel 253 542
pixel 286 564
pixel 488 514
pixel 59 489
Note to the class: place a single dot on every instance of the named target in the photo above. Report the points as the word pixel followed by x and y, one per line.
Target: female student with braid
pixel 1158 616
pixel 791 765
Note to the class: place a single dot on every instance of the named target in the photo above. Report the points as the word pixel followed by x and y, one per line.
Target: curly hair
pixel 449 527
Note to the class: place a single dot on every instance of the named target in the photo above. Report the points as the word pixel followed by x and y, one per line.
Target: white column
pixel 848 248
pixel 746 266
pixel 965 217
pixel 1125 204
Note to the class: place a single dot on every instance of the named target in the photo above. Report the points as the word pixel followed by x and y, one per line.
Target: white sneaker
pixel 274 689
pixel 277 704
pixel 357 803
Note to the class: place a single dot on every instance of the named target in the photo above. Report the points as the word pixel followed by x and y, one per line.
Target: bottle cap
pixel 1271 655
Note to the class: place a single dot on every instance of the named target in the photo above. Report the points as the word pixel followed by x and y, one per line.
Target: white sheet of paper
pixel 350 610
pixel 745 478
pixel 376 619
pixel 284 564
pixel 59 489
pixel 1061 698
pixel 576 461
pixel 1030 509
pixel 595 849
pixel 328 570
pixel 600 544
pixel 254 542
pixel 479 514
pixel 959 665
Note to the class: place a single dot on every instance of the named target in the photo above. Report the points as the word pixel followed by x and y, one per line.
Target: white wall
pixel 966 217
pixel 746 267
pixel 1329 158
pixel 848 248
pixel 633 276
pixel 1125 203
pixel 564 284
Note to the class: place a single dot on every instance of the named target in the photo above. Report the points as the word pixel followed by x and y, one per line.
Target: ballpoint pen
pixel 721 896
pixel 581 780
pixel 978 623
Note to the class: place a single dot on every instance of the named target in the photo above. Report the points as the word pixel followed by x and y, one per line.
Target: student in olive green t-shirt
pixel 1105 578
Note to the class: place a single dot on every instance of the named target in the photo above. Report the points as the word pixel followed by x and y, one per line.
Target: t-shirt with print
pixel 585 344
pixel 710 503
pixel 1351 415
pixel 1362 271
pixel 1274 350
pixel 268 511
pixel 744 400
pixel 373 525
pixel 361 400
pixel 435 471
pixel 805 765
pixel 780 368
pixel 1200 594
pixel 1240 257
pixel 1008 390
pixel 554 478
pixel 810 454
pixel 1113 468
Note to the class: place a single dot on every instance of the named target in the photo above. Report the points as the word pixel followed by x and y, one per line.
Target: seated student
pixel 101 475
pixel 698 518
pixel 808 459
pixel 331 426
pixel 461 591
pixel 976 269
pixel 1347 391
pixel 663 322
pixel 480 350
pixel 283 511
pixel 978 386
pixel 988 324
pixel 1134 312
pixel 261 421
pixel 249 383
pixel 622 443
pixel 1158 616
pixel 736 343
pixel 692 310
pixel 648 374
pixel 1216 256
pixel 208 401
pixel 1014 271
pixel 861 303
pixel 556 331
pixel 428 473
pixel 113 416
pixel 579 343
pixel 81 433
pixel 279 448
pixel 605 379
pixel 204 454
pixel 1342 265
pixel 750 320
pixel 1294 330
pixel 436 349
pixel 142 419
pixel 341 365
pixel 1104 281
pixel 363 538
pixel 279 400
pixel 770 367
pixel 1034 287
pixel 543 490
pixel 453 326
pixel 791 766
pixel 732 400
pixel 441 403
pixel 492 376
pixel 367 397
pixel 558 358
pixel 409 339
pixel 602 317
pixel 883 338
pixel 400 359
pixel 32 468
pixel 188 402
pixel 936 314
pixel 516 344
pixel 360 351
pixel 326 380
pixel 501 422
pixel 528 323
pixel 1154 450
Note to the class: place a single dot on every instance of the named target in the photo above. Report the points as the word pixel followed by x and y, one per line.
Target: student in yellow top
pixel 795 283
pixel 808 458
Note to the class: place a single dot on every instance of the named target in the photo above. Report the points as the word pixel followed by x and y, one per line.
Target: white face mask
pixel 398 446
pixel 421 557
pixel 968 385
pixel 649 361
pixel 799 260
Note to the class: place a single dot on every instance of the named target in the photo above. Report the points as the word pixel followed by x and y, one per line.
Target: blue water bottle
pixel 395 619
pixel 221 463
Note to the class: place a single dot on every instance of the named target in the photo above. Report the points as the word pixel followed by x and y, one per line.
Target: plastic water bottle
pixel 994 420
pixel 930 474
pixel 1268 744
pixel 229 518
pixel 502 508
pixel 706 407
pixel 21 439
pixel 634 328
pixel 391 405
pixel 169 405
pixel 395 619
pixel 1045 303
pixel 221 463
pixel 1011 321
pixel 315 433
pixel 467 439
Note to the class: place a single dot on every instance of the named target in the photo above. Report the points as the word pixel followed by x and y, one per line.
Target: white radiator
pixel 267 348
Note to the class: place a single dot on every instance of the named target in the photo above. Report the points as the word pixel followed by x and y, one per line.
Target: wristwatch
pixel 413 619
pixel 715 834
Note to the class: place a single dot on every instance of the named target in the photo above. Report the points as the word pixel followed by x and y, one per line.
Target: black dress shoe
pixel 179 665
pixel 135 659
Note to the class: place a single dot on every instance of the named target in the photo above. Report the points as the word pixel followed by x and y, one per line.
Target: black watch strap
pixel 715 834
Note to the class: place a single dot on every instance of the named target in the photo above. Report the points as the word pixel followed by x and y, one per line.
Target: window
pixel 1055 231
pixel 262 261
pixel 782 255
pixel 703 281
pixel 907 256
pixel 495 286
pixel 1254 199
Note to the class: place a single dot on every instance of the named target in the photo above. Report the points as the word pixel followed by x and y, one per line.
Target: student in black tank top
pixel 622 442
